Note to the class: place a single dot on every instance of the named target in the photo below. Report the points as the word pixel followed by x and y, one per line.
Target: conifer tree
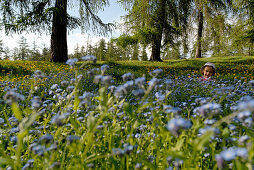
pixel 52 16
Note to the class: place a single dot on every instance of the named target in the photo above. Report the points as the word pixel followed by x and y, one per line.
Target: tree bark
pixel 59 50
pixel 156 48
pixel 200 30
pixel 157 37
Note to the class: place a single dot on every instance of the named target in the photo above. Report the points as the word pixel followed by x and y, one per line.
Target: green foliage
pixel 101 50
pixel 144 56
pixel 36 16
pixel 125 40
pixel 135 53
pixel 156 22
pixel 51 16
pixel 23 49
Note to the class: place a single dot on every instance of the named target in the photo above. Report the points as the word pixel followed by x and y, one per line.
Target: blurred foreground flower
pixel 71 62
pixel 12 96
pixel 175 125
pixel 104 68
pixel 28 165
pixel 127 76
pixel 89 58
pixel 229 155
pixel 36 103
pixel 251 83
pixel 38 74
pixel 156 72
pixel 208 110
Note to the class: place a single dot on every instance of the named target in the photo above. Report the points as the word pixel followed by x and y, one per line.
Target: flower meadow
pixel 88 116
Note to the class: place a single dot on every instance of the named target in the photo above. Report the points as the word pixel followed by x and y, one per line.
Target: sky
pixel 110 14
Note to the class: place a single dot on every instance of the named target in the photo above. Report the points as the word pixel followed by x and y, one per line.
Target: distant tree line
pixel 104 51
pixel 110 51
pixel 25 52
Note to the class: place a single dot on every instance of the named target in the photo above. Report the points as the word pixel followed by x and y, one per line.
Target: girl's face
pixel 208 72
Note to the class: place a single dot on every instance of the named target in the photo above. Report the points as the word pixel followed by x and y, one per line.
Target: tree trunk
pixel 156 48
pixel 59 50
pixel 200 30
pixel 157 37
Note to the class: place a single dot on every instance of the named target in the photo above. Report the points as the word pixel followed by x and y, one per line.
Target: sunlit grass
pixel 226 67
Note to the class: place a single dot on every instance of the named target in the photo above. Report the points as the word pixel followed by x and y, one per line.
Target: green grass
pixel 82 125
pixel 227 67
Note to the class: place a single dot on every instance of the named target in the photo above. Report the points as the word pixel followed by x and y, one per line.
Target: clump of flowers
pixel 38 74
pixel 229 155
pixel 36 103
pixel 208 110
pixel 89 58
pixel 71 62
pixel 127 76
pixel 175 125
pixel 156 72
pixel 12 96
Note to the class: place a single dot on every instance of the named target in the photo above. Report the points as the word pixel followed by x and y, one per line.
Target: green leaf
pixel 74 122
pixel 239 165
pixel 22 134
pixel 5 161
pixel 179 144
pixel 167 95
pixel 223 98
pixel 128 109
pixel 90 122
pixel 16 111
pixel 204 139
pixel 76 102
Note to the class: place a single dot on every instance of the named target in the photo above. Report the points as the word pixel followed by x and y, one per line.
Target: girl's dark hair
pixel 203 67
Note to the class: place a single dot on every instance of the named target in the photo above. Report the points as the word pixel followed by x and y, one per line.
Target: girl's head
pixel 208 70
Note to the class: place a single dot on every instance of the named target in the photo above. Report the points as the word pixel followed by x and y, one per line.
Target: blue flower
pixel 89 58
pixel 71 62
pixel 177 124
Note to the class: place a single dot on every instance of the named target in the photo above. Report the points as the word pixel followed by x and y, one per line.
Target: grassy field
pixel 127 115
pixel 227 67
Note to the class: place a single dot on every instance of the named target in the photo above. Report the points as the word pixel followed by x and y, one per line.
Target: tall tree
pixel 157 22
pixel 243 31
pixel 34 52
pixel 204 10
pixel 77 53
pixel 101 51
pixel 82 51
pixel 1 47
pixel 15 54
pixel 113 52
pixel 45 53
pixel 51 16
pixel 23 48
pixel 7 53
pixel 144 54
pixel 58 45
pixel 135 52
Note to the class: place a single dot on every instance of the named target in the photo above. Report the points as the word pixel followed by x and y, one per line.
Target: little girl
pixel 208 71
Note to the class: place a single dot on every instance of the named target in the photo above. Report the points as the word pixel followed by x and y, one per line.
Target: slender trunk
pixel 200 30
pixel 59 51
pixel 157 37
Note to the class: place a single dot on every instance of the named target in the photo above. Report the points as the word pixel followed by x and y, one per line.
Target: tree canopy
pixel 52 16
pixel 156 22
